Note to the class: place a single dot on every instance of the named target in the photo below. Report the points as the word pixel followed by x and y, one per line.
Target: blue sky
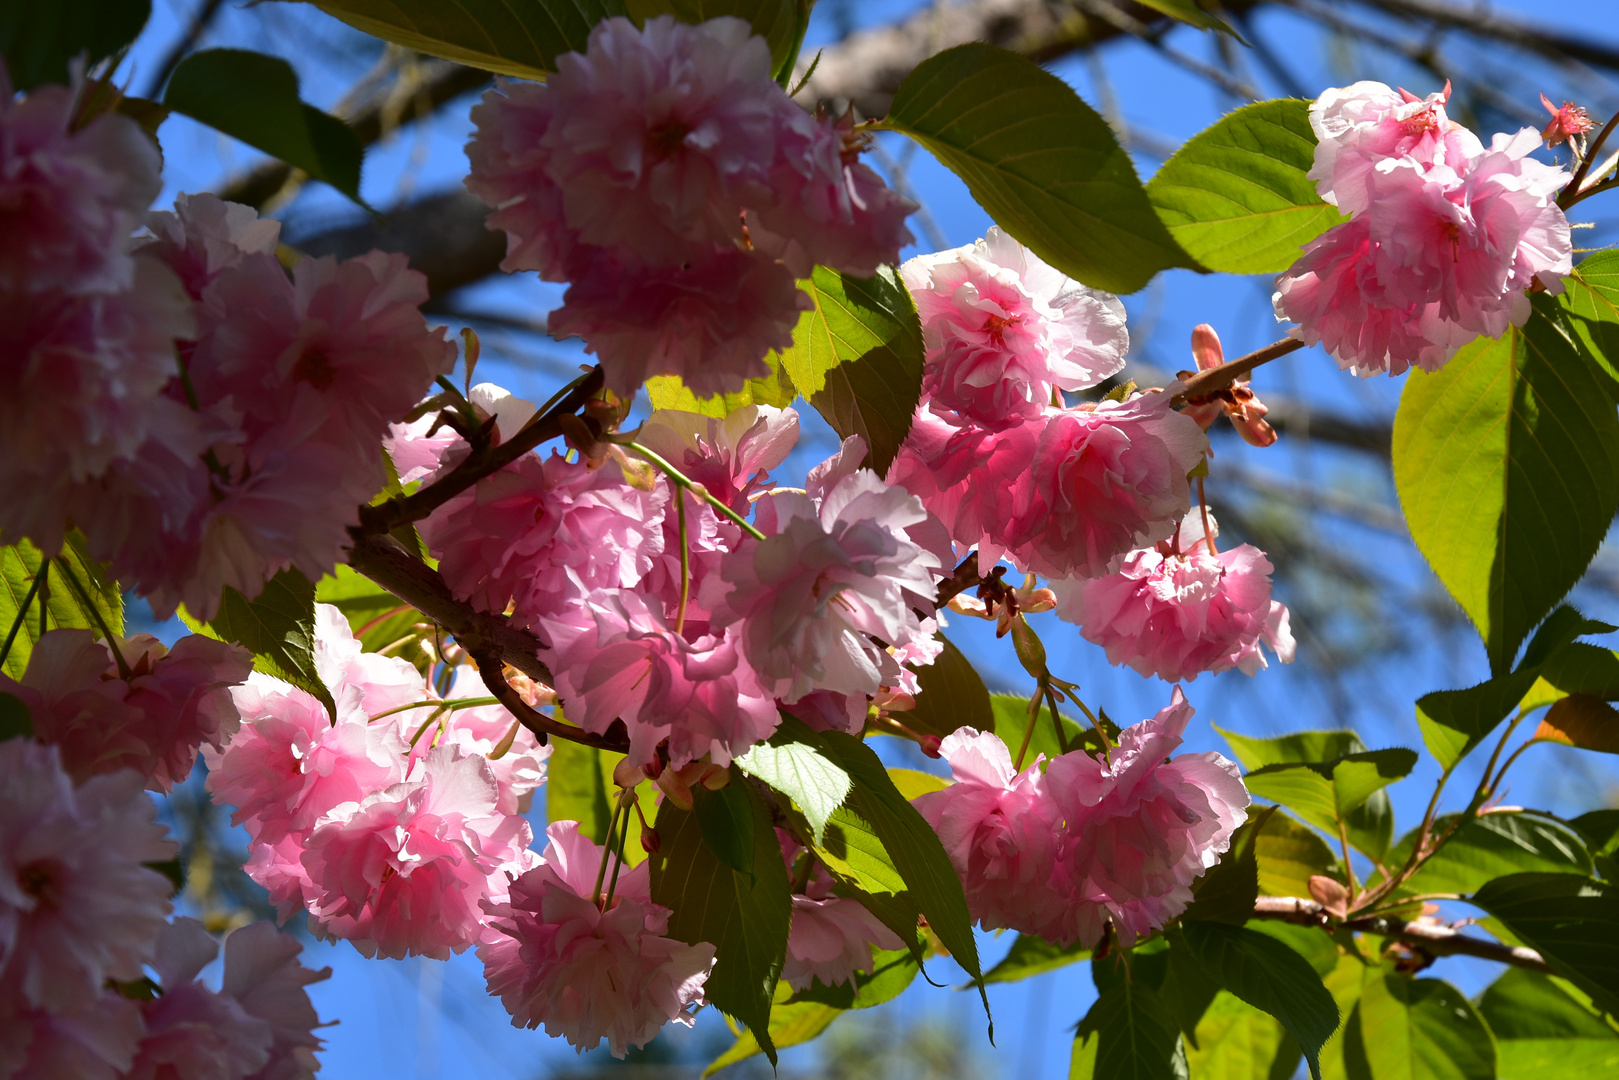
pixel 419 1019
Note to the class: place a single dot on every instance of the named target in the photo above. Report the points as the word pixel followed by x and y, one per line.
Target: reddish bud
pixel 649 840
pixel 1567 122
pixel 930 745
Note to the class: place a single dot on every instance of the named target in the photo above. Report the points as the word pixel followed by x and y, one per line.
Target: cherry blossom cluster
pixel 203 418
pixel 680 192
pixel 1086 843
pixel 1445 235
pixel 831 938
pixel 84 914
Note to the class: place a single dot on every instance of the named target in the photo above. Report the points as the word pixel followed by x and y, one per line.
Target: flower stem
pixel 1208 532
pixel 685 563
pixel 453 705
pixel 1592 149
pixel 623 839
pixel 679 479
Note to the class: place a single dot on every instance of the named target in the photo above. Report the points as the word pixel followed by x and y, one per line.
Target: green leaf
pixel 1507 465
pixel 1578 668
pixel 1288 855
pixel 1325 793
pixel 775 389
pixel 1012 723
pixel 1590 309
pixel 19 564
pixel 744 916
pixel 577 788
pixel 1600 830
pixel 511 37
pixel 40 40
pixel 278 628
pixel 912 783
pixel 853 852
pixel 1453 722
pixel 1269 976
pixel 930 878
pixel 1572 921
pixel 377 617
pixel 1543 1033
pixel 1031 955
pixel 774 20
pixel 1235 1041
pixel 1236 196
pixel 725 818
pixel 1318 949
pixel 1043 163
pixel 1188 12
pixel 15 718
pixel 254 98
pixel 1493 846
pixel 857 357
pixel 952 696
pixel 1421 1029
pixel 791 1023
pixel 1226 893
pixel 1128 1034
pixel 793 763
pixel 892 970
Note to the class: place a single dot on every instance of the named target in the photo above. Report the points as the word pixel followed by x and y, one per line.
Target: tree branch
pixel 494 677
pixel 1207 382
pixel 1431 938
pixel 1481 22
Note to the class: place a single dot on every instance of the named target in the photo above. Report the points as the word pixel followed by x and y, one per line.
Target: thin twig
pixel 1207 382
pixel 1571 193
pixel 543 727
pixel 1432 938
pixel 188 41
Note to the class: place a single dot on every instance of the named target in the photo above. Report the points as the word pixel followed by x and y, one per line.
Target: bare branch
pixel 1480 21
pixel 1435 939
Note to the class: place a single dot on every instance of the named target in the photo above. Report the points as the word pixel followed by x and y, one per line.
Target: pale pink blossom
pixel 710 319
pixel 77 904
pixel 263 975
pixel 999 827
pixel 508 159
pixel 204 235
pixel 75 706
pixel 731 458
pixel 1361 126
pixel 510 412
pixel 1103 481
pixel 69 196
pixel 95 1041
pixel 920 651
pixel 831 940
pixel 193 1033
pixel 617 659
pixel 419 448
pixel 405 870
pixel 840 571
pixel 658 133
pixel 827 710
pixel 558 960
pixel 1004 330
pixel 363 684
pixel 826 206
pixel 709 537
pixel 1177 610
pixel 542 532
pixel 1137 831
pixel 479 732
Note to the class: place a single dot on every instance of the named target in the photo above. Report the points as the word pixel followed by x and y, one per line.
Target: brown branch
pixel 1431 938
pixel 1207 382
pixel 1480 22
pixel 188 41
pixel 494 677
pixel 482 462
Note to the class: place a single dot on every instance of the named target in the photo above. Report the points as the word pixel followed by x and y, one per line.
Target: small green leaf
pixel 40 40
pixel 1453 722
pixel 511 37
pixel 774 20
pixel 1288 855
pixel 254 98
pixel 1590 309
pixel 19 564
pixel 725 818
pixel 1188 12
pixel 792 763
pixel 1543 1033
pixel 952 696
pixel 1031 955
pixel 1493 846
pixel 791 1023
pixel 1235 1041
pixel 15 718
pixel 1269 976
pixel 1507 465
pixel 744 916
pixel 776 390
pixel 1572 921
pixel 1128 1034
pixel 1236 196
pixel 857 357
pixel 1418 1028
pixel 278 628
pixel 1043 163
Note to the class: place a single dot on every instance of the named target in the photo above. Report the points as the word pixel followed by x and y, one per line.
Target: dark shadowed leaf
pixel 1042 162
pixel 278 628
pixel 1572 921
pixel 1583 721
pixel 777 21
pixel 39 40
pixel 1491 847
pixel 1031 955
pixel 1128 1034
pixel 725 818
pixel 953 696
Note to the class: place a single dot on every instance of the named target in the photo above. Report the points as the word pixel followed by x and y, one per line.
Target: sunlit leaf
pixel 19 565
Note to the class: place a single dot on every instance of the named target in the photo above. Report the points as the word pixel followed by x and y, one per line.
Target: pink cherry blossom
pixel 77 904
pixel 732 457
pixel 193 1033
pixel 175 701
pixel 542 532
pixel 405 870
pixel 69 196
pixel 826 206
pixel 204 235
pixel 710 319
pixel 1361 125
pixel 1177 610
pixel 1103 481
pixel 95 1041
pixel 509 159
pixel 1138 831
pixel 1569 122
pixel 418 449
pixel 363 684
pixel 263 975
pixel 840 571
pixel 618 659
pixel 831 940
pixel 999 827
pixel 479 732
pixel 558 960
pixel 1003 330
